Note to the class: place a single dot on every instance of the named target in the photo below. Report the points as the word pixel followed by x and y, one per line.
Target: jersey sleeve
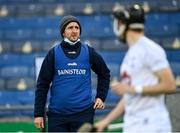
pixel 156 59
pixel 99 66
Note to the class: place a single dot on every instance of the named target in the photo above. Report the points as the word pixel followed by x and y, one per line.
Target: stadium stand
pixel 29 28
pixel 2 84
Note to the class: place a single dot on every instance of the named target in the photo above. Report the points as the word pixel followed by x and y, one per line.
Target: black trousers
pixel 69 123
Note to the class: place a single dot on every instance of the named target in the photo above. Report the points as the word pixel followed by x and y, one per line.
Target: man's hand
pixel 99 104
pixel 39 122
pixel 121 88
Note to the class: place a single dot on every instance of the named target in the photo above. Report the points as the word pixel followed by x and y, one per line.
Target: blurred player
pixel 68 66
pixel 146 78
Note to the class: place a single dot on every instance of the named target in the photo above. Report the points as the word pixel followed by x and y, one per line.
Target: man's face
pixel 72 31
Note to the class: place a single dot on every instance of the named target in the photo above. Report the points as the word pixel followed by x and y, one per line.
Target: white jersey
pixel 144 113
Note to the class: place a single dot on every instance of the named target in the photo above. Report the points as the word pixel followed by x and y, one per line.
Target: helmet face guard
pixel 119 29
pixel 125 19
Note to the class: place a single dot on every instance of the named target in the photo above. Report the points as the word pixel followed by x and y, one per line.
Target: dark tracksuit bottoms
pixel 69 123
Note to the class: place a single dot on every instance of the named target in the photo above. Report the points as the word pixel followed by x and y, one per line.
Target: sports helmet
pixel 128 18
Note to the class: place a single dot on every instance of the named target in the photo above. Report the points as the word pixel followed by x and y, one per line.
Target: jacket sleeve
pixel 99 66
pixel 43 83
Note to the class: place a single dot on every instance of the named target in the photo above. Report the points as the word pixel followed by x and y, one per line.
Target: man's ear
pixel 63 34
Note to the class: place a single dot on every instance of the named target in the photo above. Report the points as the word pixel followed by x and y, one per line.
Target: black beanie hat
pixel 66 20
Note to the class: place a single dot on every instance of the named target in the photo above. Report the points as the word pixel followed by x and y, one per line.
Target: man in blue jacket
pixel 68 67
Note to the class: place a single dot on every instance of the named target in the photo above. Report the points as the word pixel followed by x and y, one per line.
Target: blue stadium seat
pixel 112 45
pixel 52 1
pixel 156 39
pixel 79 7
pixel 8 60
pixel 46 34
pixel 2 84
pixel 169 5
pixel 105 7
pixel 113 56
pixel 46 45
pixel 1 1
pixel 50 9
pixel 175 66
pixel 173 17
pixel 157 19
pixel 95 43
pixel 14 71
pixel 173 55
pixel 162 30
pixel 94 82
pixel 18 34
pixel 96 26
pixel 17 97
pixel 36 46
pixel 27 60
pixel 12 83
pixel 12 23
pixel 20 1
pixel 112 97
pixel 17 46
pixel 7 98
pixel 114 70
pixel 48 22
pixel 6 23
pixel 32 72
pixel 30 10
pixel 167 42
pixel 11 60
pixel 6 47
pixel 1 35
pixel 22 83
pixel 29 22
